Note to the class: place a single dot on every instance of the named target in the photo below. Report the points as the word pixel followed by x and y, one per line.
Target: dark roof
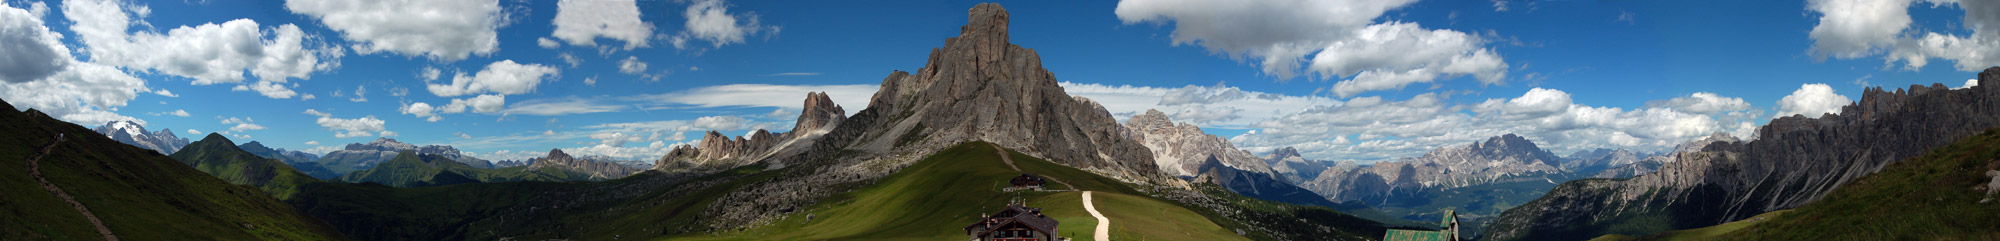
pixel 1025 180
pixel 1015 213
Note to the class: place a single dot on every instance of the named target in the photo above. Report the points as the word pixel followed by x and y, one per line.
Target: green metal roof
pixel 1415 235
pixel 1448 216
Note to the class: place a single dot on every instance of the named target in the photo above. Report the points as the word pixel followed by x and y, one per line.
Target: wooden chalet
pixel 1026 182
pixel 1015 223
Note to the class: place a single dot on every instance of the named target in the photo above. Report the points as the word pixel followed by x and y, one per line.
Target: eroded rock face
pixel 819 113
pixel 1794 161
pixel 1506 158
pixel 977 87
pixel 720 151
pixel 1287 163
pixel 598 170
pixel 1180 148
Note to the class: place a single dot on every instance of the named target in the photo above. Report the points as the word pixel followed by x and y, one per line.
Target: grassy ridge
pixel 216 155
pixel 139 194
pixel 932 199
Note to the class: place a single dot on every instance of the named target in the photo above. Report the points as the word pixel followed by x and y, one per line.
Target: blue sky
pixel 1570 75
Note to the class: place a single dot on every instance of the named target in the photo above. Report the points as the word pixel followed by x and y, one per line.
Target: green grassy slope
pixel 139 194
pixel 933 198
pixel 929 200
pixel 377 212
pixel 218 156
pixel 1930 197
pixel 1707 233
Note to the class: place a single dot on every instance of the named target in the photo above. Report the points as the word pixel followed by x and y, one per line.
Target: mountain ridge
pixel 1794 161
pixel 128 132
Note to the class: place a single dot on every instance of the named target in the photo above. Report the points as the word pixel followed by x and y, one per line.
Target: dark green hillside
pixel 1931 197
pixel 136 193
pixel 929 200
pixel 414 170
pixel 933 198
pixel 218 156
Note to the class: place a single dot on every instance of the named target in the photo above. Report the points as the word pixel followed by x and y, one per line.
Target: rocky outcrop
pixel 1795 160
pixel 1506 158
pixel 716 150
pixel 1598 160
pixel 131 133
pixel 819 113
pixel 1180 148
pixel 977 87
pixel 1287 163
pixel 980 87
pixel 597 170
pixel 1260 185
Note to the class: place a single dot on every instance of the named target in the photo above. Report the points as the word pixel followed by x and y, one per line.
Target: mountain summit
pixel 131 133
pixel 979 87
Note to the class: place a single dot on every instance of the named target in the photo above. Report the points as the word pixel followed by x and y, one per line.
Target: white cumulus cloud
pixel 503 77
pixel 447 30
pixel 346 128
pixel 711 21
pixel 1850 29
pixel 38 72
pixel 209 53
pixel 720 123
pixel 581 22
pixel 1812 100
pixel 1280 34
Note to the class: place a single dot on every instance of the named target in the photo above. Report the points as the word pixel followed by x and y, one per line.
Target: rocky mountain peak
pixel 979 87
pixel 1283 153
pixel 253 144
pixel 986 24
pixel 819 112
pixel 217 138
pixel 1152 119
pixel 132 133
pixel 1514 147
pixel 1180 148
pixel 558 153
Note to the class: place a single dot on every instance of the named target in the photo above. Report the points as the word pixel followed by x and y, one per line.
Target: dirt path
pixel 1103 224
pixel 35 170
pixel 1004 157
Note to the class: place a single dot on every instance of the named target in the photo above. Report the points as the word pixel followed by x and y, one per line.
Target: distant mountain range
pixel 131 133
pixel 594 168
pixel 360 156
pixel 1795 160
pixel 304 162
